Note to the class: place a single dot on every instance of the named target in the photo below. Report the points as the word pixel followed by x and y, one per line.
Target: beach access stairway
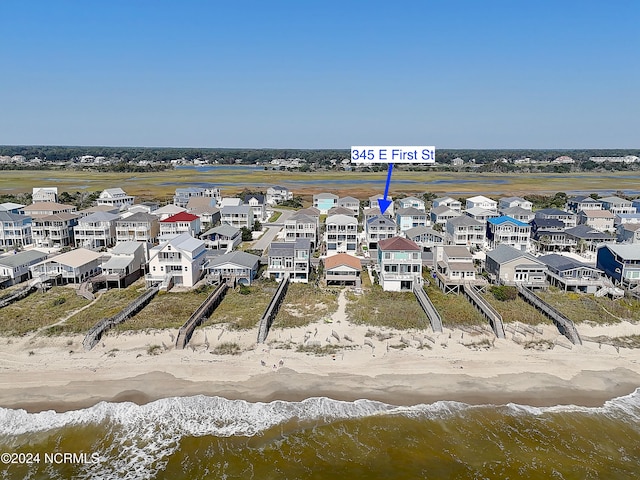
pixel 428 307
pixel 86 290
pixel 201 314
pixel 17 295
pixel 564 325
pixel 490 313
pixel 272 309
pixel 95 333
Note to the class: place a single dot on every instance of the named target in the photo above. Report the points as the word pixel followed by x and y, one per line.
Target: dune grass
pixel 386 309
pixel 109 304
pixel 517 310
pixel 39 310
pixel 304 304
pixel 242 308
pixel 586 308
pixel 454 309
pixel 166 310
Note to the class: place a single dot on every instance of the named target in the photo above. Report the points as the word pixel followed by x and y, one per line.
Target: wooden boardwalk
pixel 202 313
pixel 490 313
pixel 565 325
pixel 272 310
pixel 428 307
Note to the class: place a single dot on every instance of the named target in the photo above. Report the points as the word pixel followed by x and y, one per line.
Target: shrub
pixel 227 348
pixel 504 293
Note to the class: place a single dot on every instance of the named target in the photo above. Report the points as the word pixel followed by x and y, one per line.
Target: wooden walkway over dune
pixel 490 313
pixel 201 314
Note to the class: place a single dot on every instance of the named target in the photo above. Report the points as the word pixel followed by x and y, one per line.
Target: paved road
pixel 272 230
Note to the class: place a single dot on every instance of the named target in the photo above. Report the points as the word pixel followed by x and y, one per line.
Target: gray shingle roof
pixel 506 253
pixel 243 259
pixel 22 258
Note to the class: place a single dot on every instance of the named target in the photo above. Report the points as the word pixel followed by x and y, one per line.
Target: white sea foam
pixel 144 436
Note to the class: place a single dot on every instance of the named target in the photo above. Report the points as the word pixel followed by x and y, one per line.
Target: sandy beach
pixel 398 367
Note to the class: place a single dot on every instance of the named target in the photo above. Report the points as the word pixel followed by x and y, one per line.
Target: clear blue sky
pixel 321 74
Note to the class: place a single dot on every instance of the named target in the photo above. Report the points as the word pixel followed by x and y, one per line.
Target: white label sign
pixel 368 154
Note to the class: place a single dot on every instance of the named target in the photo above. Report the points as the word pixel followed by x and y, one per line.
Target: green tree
pixel 246 234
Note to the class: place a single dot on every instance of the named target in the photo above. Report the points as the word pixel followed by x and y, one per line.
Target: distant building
pixel 582 203
pixel 411 202
pixel 47 208
pixel 139 227
pixel 223 237
pixel 182 222
pixel 624 159
pixel 277 194
pixel 481 214
pixel 325 202
pixel 518 213
pixel 628 233
pixel 301 226
pixel 373 203
pixel 509 231
pixel 480 201
pixel 601 220
pixel 464 230
pixel 96 231
pixel 379 228
pixel 54 230
pixel 510 202
pixel 425 237
pixel 617 205
pixel 341 234
pixel 240 216
pixel 568 219
pixel 45 194
pixel 115 197
pixel 448 202
pixel 351 203
pixel 183 195
pixel 441 215
pixel 411 217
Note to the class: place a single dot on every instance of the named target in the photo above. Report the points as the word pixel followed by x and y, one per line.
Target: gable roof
pixel 598 214
pixel 627 252
pixel 480 198
pixel 99 217
pixel 562 263
pixel 76 258
pixel 553 212
pixel 506 219
pixel 140 217
pixel 48 207
pixel 506 253
pixel 442 209
pixel 398 243
pixel 224 230
pixel 127 248
pixel 588 233
pixel 180 217
pixel 22 258
pixel 517 210
pixel 238 257
pixel 184 241
pixel 341 211
pixel 381 220
pixel 341 219
pixel 310 211
pixel 348 200
pixel 464 221
pixel 342 259
pixel 415 231
pixel 410 211
pixel 12 217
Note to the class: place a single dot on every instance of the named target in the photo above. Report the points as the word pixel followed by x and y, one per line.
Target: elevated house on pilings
pixel 453 267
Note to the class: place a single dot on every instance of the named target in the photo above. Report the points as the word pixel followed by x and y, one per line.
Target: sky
pixel 321 74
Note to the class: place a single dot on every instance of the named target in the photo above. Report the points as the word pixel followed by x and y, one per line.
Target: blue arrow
pixel 383 203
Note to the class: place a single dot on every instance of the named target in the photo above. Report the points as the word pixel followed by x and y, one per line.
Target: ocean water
pixel 319 438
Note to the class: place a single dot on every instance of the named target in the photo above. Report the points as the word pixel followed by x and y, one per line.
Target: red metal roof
pixel 180 217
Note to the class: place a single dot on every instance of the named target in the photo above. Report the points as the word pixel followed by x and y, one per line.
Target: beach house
pixel 14 267
pixel 399 264
pixel 15 230
pixel 509 266
pixel 181 259
pixel 342 269
pixel 240 267
pixel 341 234
pixel 96 231
pixel 290 258
pixel 115 197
